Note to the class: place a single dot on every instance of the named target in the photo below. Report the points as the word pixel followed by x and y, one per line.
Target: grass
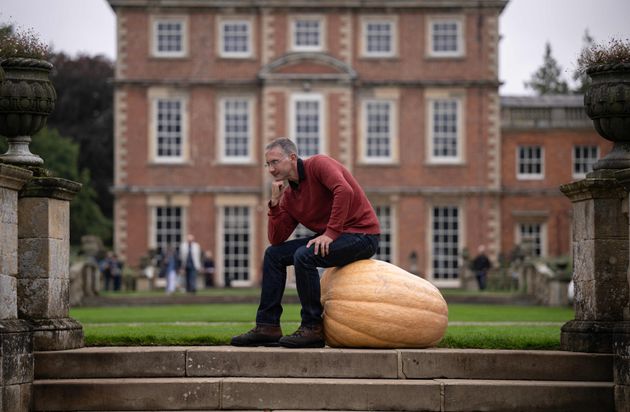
pixel 528 327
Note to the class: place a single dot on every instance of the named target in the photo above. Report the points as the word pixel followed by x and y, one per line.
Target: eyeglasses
pixel 274 163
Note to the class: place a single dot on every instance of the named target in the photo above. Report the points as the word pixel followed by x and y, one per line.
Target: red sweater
pixel 327 200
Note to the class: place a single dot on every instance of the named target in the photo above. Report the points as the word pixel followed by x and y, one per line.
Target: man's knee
pixel 303 256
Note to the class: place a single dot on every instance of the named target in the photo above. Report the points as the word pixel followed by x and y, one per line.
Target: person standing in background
pixel 190 258
pixel 480 266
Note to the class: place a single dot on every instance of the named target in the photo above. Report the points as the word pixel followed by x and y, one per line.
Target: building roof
pixel 313 3
pixel 560 100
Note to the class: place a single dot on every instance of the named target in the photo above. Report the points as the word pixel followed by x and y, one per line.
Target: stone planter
pixel 607 103
pixel 27 97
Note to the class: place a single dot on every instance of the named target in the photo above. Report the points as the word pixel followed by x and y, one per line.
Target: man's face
pixel 278 163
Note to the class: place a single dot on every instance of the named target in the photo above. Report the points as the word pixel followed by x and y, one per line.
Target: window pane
pixel 378 133
pixel 307 133
pixel 236 235
pixel 307 33
pixel 169 128
pixel 236 128
pixel 530 161
pixel 236 38
pixel 445 128
pixel 584 157
pixel 168 226
pixel 445 242
pixel 169 36
pixel 384 215
pixel 378 37
pixel 445 36
pixel 531 236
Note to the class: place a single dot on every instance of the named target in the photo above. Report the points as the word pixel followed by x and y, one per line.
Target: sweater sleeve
pixel 280 224
pixel 330 173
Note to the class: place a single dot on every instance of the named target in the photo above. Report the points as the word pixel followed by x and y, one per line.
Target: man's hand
pixel 322 244
pixel 277 189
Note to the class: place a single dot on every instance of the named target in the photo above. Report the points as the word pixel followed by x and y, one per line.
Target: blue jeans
pixel 191 279
pixel 347 248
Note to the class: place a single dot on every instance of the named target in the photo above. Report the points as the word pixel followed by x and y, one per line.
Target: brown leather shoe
pixel 305 337
pixel 260 335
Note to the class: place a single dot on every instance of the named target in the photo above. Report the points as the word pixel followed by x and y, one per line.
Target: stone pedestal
pixel 16 337
pixel 44 260
pixel 600 262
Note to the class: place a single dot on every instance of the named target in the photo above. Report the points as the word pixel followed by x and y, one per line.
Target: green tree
pixel 582 79
pixel 61 156
pixel 547 79
pixel 84 113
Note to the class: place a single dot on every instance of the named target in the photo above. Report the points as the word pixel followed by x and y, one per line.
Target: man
pixel 323 196
pixel 480 266
pixel 190 258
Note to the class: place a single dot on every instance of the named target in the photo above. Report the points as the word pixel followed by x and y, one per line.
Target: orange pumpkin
pixel 374 304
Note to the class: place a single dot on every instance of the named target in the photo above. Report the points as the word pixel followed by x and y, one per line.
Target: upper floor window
pixel 169 129
pixel 378 130
pixel 379 38
pixel 307 34
pixel 169 37
pixel 445 37
pixel 236 38
pixel 529 162
pixel 584 157
pixel 307 123
pixel 236 129
pixel 445 129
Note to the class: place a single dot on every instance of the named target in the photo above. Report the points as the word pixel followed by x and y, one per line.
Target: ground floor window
pixel 168 226
pixel 531 237
pixel 445 242
pixel 384 215
pixel 236 242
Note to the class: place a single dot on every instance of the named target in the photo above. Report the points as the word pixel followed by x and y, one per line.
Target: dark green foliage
pixel 548 79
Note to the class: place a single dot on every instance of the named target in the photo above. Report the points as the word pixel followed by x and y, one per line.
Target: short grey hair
pixel 284 143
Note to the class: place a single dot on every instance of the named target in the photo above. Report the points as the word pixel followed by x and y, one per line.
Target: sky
pixel 525 26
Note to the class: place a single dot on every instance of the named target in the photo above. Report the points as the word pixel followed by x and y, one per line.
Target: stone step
pixel 227 361
pixel 246 393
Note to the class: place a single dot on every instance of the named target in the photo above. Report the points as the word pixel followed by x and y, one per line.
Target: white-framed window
pixel 378 130
pixel 235 122
pixel 531 236
pixel 379 37
pixel 307 123
pixel 307 33
pixel 445 242
pixel 530 162
pixel 168 129
pixel 236 38
pixel 169 37
pixel 584 157
pixel 168 224
pixel 445 36
pixel 445 129
pixel 236 243
pixel 385 245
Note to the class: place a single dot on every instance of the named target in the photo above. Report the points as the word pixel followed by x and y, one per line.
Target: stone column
pixel 600 262
pixel 16 337
pixel 44 260
pixel 621 333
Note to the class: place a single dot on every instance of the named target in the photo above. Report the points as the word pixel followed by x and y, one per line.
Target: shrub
pixel 22 43
pixel 614 52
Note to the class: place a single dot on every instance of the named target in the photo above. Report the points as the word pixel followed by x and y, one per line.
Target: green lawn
pixel 470 325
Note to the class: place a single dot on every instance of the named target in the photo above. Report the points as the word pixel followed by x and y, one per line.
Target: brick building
pixel 404 93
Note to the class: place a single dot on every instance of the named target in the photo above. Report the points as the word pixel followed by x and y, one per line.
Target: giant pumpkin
pixel 374 304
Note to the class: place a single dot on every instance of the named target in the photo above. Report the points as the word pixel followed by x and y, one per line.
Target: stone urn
pixel 607 103
pixel 27 97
